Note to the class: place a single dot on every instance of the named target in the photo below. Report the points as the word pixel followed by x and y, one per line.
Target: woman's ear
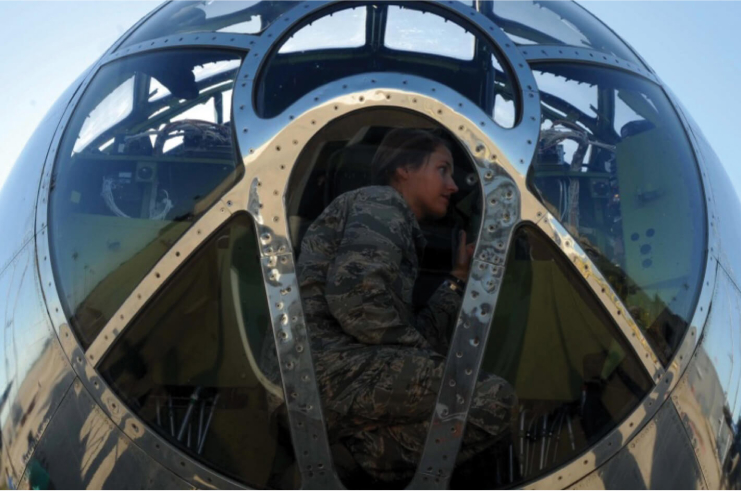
pixel 401 173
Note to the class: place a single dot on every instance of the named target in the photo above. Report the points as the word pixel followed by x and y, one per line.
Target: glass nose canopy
pixel 148 153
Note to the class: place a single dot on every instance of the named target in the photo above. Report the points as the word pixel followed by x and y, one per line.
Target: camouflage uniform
pixel 379 365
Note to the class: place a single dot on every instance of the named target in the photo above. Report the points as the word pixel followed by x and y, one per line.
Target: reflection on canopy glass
pixel 555 23
pixel 238 17
pixel 615 167
pixel 148 150
pixel 411 38
pixel 575 375
pixel 191 365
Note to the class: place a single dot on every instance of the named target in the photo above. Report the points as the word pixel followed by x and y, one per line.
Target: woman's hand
pixel 463 258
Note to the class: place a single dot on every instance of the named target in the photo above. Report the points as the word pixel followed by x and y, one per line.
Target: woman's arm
pixel 365 282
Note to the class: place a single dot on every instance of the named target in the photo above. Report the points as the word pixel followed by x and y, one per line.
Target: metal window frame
pixel 492 147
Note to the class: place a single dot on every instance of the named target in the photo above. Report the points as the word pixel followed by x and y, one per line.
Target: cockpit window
pixel 148 150
pixel 615 167
pixel 343 29
pixel 195 364
pixel 111 111
pixel 239 17
pixel 439 48
pixel 555 23
pixel 575 375
pixel 408 30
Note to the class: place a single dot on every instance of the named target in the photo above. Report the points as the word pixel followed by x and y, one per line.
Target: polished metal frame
pixel 546 53
pixel 269 149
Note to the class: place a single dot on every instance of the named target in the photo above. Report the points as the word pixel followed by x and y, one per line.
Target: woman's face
pixel 428 188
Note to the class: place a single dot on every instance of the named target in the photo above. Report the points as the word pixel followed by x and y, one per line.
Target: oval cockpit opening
pixel 336 164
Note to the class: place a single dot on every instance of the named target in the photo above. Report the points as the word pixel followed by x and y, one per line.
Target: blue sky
pixel 693 46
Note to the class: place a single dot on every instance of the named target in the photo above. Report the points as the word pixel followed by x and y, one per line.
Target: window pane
pixel 146 152
pixel 192 367
pixel 239 17
pixel 566 23
pixel 409 30
pixel 111 111
pixel 614 165
pixel 575 375
pixel 400 40
pixel 343 29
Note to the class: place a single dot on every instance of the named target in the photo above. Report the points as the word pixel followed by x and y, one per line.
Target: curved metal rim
pixel 630 48
pixel 547 53
pixel 221 40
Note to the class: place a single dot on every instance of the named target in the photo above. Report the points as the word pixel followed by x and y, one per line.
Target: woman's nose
pixel 451 185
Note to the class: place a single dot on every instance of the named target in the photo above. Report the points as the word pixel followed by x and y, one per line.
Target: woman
pixel 379 364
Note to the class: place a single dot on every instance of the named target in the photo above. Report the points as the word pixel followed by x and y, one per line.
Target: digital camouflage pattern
pixel 379 365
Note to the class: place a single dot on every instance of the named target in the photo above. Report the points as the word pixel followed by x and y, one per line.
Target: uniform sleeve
pixel 437 319
pixel 365 280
